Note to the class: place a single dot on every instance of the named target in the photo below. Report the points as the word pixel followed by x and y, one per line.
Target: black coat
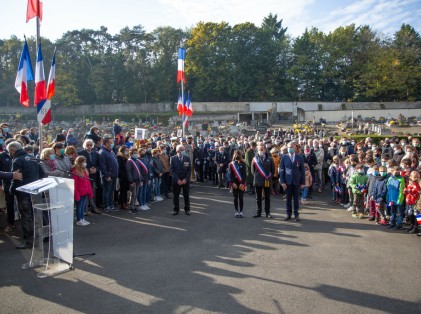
pixel 91 161
pixel 31 170
pixel 180 169
pixel 6 166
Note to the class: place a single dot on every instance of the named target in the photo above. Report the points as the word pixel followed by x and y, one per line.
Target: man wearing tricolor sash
pixel 262 169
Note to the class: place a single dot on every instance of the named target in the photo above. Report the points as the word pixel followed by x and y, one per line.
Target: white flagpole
pixel 182 102
pixel 40 135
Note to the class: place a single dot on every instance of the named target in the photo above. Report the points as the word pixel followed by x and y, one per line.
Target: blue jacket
pixel 180 169
pixel 334 175
pixel 395 187
pixel 292 173
pixel 108 164
pixel 379 189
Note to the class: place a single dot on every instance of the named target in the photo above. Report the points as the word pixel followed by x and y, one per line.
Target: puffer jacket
pixel 412 193
pixel 395 187
pixel 379 189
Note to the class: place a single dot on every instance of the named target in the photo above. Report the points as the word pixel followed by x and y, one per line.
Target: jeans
pixel 397 212
pixel 108 188
pixel 80 207
pixel 318 178
pixel 304 195
pixel 141 195
pixel 157 186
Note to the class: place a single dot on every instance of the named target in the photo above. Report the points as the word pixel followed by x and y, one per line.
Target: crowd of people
pixel 378 181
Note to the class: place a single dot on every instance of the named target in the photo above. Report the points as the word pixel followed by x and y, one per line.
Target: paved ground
pixel 212 262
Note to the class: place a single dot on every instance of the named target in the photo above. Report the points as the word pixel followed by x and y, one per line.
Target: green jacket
pixel 357 179
pixel 248 161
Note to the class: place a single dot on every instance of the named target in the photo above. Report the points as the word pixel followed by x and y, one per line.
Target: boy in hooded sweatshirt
pixel 358 184
pixel 395 198
pixel 378 194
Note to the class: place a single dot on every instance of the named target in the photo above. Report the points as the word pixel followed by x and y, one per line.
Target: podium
pixel 52 205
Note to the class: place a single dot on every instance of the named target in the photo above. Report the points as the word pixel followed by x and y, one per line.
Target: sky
pixel 60 16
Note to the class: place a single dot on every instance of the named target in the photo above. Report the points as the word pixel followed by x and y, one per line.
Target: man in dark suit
pixel 180 169
pixel 292 178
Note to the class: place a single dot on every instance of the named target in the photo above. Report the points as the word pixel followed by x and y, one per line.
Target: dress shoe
pixel 95 211
pixel 297 219
pixel 24 245
pixel 175 213
pixel 287 218
pixel 257 216
pixel 187 212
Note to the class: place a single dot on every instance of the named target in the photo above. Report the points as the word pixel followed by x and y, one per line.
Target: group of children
pixel 388 195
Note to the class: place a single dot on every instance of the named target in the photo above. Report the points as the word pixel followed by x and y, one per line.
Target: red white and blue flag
pixel 44 107
pixel 24 75
pixel 181 58
pixel 188 107
pixel 34 9
pixel 185 121
pixel 40 86
pixel 418 218
pixel 180 105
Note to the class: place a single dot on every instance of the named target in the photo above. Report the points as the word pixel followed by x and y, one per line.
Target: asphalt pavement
pixel 212 262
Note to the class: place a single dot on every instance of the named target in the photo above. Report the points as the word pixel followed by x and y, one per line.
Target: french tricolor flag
pixel 40 88
pixel 24 75
pixel 181 58
pixel 188 108
pixel 180 104
pixel 44 107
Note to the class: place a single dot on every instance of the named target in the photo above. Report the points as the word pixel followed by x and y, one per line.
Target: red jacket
pixel 82 185
pixel 412 193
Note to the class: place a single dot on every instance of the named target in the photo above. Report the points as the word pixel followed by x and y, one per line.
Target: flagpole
pixel 182 101
pixel 40 135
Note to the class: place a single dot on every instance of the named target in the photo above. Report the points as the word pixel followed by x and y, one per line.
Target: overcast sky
pixel 60 16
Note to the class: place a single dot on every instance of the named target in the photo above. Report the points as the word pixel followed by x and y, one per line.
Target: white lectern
pixel 52 203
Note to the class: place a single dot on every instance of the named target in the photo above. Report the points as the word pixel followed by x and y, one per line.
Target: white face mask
pixel 84 165
pixel 260 153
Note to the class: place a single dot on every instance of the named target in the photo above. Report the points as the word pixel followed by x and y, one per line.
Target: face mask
pixel 52 156
pixel 149 150
pixel 237 158
pixel 62 151
pixel 126 153
pixel 376 173
pixel 155 139
pixel 290 150
pixel 398 151
pixel 135 156
pixel 184 153
pixel 1 141
pixel 353 143
pixel 130 141
pixel 260 153
pixel 275 154
pixel 416 145
pixel 392 145
pixel 343 142
pixel 112 146
pixel 71 133
pixel 5 130
pixel 360 171
pixel 383 173
pixel 84 165
pixel 316 147
pixel 164 152
pixel 403 166
pixel 277 142
pixel 384 164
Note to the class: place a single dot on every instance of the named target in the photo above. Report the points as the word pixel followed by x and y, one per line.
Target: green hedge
pixel 376 138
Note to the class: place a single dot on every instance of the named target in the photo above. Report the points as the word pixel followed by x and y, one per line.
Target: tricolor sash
pixel 418 218
pixel 136 167
pixel 143 166
pixel 236 171
pixel 260 169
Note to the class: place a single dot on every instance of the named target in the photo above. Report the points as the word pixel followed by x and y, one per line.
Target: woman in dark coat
pixel 122 157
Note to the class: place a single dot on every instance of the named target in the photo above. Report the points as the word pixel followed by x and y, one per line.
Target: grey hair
pixel 14 145
pixel 177 149
pixel 87 141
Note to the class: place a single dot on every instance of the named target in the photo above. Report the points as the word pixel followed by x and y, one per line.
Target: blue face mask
pixel 290 150
pixel 376 173
pixel 52 157
pixel 135 156
pixel 1 141
pixel 184 153
pixel 5 130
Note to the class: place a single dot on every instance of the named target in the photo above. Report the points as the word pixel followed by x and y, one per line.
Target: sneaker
pixel 134 211
pixel 108 209
pixel 81 223
pixel 384 222
pixel 159 199
pixel 86 222
pixel 361 216
pixel 147 207
pixel 114 210
pixel 10 228
pixel 144 207
pixel 241 214
pixel 355 215
pixel 371 219
pixel 350 209
pixel 347 205
pixel 237 214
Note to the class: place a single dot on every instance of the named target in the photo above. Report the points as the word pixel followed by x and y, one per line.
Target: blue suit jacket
pixel 290 173
pixel 180 169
